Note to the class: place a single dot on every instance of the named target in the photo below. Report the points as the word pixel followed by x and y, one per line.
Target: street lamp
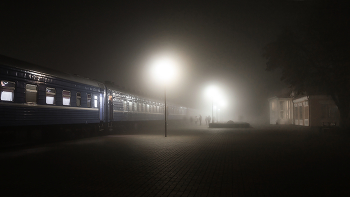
pixel 164 70
pixel 217 114
pixel 212 92
pixel 214 108
pixel 216 97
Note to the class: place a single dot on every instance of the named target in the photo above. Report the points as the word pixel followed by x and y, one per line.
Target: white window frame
pixel 7 93
pixel 51 95
pixel 95 101
pixel 281 112
pixel 66 97
pixel 124 105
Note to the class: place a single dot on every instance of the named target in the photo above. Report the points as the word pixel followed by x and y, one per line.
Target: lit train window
pixel 66 97
pixel 50 96
pixel 7 90
pixel 31 93
pixel 88 100
pixel 78 99
pixel 130 106
pixel 95 101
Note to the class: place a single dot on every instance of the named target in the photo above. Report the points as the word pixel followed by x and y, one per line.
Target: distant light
pixel 164 69
pixel 222 103
pixel 212 92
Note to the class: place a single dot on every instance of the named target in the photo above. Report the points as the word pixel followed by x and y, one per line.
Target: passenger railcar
pixel 36 96
pixel 32 95
pixel 125 107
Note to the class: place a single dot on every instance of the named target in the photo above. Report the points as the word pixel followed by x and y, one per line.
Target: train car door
pixel 101 107
pixel 110 104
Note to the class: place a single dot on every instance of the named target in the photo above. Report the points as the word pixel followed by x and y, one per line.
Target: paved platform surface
pixel 197 161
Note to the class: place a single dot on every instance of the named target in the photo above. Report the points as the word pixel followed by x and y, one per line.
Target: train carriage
pixel 32 95
pixel 37 97
pixel 129 107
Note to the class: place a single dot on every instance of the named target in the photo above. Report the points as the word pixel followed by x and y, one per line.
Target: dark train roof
pixel 139 94
pixel 11 62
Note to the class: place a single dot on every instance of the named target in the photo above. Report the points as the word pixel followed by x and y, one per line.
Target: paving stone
pixel 190 162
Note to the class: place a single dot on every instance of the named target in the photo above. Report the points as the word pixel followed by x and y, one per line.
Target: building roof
pixel 284 93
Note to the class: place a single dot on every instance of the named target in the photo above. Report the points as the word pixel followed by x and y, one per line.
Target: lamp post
pixel 216 109
pixel 217 114
pixel 212 93
pixel 165 111
pixel 212 110
pixel 164 71
pixel 215 95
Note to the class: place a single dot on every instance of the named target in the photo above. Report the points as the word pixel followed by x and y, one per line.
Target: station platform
pixel 194 161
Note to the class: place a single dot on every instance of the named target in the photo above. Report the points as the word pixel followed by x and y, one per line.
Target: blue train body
pixel 33 96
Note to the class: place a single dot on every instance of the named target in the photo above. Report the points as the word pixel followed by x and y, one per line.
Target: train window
pixel 66 97
pixel 124 105
pixel 50 96
pixel 7 90
pixel 78 99
pixel 95 101
pixel 130 106
pixel 31 93
pixel 88 100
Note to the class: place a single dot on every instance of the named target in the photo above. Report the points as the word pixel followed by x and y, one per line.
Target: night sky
pixel 214 43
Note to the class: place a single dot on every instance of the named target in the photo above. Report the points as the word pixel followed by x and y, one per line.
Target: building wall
pixel 316 110
pixel 273 111
pixel 281 110
pixel 301 109
pixel 323 111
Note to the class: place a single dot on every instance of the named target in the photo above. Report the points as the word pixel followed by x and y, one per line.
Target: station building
pixel 309 110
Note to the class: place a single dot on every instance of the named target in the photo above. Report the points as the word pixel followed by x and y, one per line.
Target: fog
pixel 213 44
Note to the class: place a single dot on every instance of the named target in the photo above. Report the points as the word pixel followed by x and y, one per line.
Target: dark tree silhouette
pixel 314 55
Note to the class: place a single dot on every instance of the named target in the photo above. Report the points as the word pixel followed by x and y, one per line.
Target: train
pixel 36 99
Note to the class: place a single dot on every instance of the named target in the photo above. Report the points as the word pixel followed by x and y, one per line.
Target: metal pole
pixel 217 116
pixel 165 118
pixel 212 111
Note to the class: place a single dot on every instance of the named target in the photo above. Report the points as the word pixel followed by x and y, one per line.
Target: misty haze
pixel 151 98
